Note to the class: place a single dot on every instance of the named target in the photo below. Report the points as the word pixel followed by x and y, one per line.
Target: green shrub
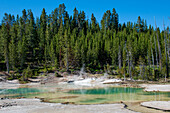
pixel 27 73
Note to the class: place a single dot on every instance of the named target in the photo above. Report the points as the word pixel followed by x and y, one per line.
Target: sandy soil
pixel 35 106
pixel 154 87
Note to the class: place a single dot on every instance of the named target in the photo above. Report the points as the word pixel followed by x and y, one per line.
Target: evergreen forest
pixel 61 42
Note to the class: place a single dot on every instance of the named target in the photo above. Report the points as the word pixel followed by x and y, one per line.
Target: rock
pixel 13 81
pixel 70 81
pixel 68 103
pixel 4 74
pixel 57 74
pixel 110 81
pixel 34 80
pixel 65 74
pixel 99 72
pixel 2 79
pixel 8 104
pixel 76 72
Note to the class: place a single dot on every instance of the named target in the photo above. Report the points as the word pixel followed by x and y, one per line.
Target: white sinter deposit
pixel 154 87
pixel 162 105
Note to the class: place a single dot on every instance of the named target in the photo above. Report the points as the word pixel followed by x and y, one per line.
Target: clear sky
pixel 128 10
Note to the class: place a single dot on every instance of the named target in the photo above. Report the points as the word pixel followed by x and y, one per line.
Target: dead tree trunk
pixel 160 56
pixel 130 65
pixel 143 70
pixel 152 58
pixel 7 62
pixel 168 47
pixel 128 61
pixel 67 62
pixel 120 59
pixel 124 62
pixel 60 59
pixel 167 69
pixel 149 63
pixel 156 53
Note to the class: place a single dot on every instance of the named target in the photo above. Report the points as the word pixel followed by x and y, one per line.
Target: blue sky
pixel 128 10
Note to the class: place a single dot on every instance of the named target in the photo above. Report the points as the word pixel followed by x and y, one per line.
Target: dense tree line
pixel 68 41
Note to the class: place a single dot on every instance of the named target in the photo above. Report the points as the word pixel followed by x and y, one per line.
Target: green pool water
pixel 19 92
pixel 107 90
pixel 117 94
pixel 87 96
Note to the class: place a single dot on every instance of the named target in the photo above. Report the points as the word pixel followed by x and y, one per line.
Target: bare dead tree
pixel 156 52
pixel 160 56
pixel 167 70
pixel 7 62
pixel 152 58
pixel 119 56
pixel 149 63
pixel 127 60
pixel 143 71
pixel 67 61
pixel 130 64
pixel 168 45
pixel 124 63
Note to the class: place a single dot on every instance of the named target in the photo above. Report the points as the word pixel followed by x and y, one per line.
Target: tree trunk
pixel 7 63
pixel 130 64
pixel 141 71
pixel 60 59
pixel 120 59
pixel 156 53
pixel 67 59
pixel 124 74
pixel 160 56
pixel 149 62
pixel 167 69
pixel 152 59
pixel 128 61
pixel 168 47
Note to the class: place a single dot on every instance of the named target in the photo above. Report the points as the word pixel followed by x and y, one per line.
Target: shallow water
pixel 19 92
pixel 59 94
pixel 117 94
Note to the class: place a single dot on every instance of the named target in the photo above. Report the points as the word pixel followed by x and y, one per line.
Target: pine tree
pixel 5 38
pixel 93 22
pixel 65 41
pixel 12 47
pixel 160 55
pixel 115 20
pixel 167 68
pixel 31 34
pixel 66 50
pixel 43 24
